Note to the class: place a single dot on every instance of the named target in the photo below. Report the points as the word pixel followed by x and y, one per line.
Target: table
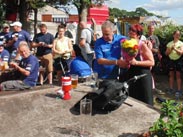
pixel 9 74
pixel 42 113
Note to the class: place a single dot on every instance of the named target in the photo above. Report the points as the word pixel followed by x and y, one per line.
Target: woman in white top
pixel 62 50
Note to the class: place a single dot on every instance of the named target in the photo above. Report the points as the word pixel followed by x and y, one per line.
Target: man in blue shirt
pixel 43 41
pixel 4 54
pixel 108 53
pixel 17 36
pixel 28 69
pixel 5 34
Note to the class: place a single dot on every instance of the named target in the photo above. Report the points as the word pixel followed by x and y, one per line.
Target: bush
pixel 165 35
pixel 170 122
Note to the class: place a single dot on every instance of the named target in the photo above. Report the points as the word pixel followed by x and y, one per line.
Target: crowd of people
pixel 55 54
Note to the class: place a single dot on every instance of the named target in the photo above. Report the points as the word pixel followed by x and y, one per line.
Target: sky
pixel 165 8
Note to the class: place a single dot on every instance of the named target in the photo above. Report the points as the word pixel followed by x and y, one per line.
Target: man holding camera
pixel 17 36
pixel 43 42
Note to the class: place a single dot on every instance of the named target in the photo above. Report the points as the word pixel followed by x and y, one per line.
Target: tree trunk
pixel 23 15
pixel 82 13
pixel 35 21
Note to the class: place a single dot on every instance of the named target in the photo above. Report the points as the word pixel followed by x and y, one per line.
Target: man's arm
pixel 82 42
pixel 119 62
pixel 104 61
pixel 20 69
pixel 35 44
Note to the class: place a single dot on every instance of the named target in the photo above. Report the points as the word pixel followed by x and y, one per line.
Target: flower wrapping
pixel 129 49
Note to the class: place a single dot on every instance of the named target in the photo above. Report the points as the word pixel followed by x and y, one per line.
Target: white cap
pixel 17 23
pixel 5 25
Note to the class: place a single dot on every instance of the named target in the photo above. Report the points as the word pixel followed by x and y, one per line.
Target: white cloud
pixel 114 3
pixel 164 5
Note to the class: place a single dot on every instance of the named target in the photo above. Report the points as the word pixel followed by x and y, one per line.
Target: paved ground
pixel 162 84
pixel 42 113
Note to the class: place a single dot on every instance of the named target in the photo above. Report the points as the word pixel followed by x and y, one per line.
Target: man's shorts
pixel 47 62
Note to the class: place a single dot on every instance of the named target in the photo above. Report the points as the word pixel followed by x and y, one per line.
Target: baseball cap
pixel 5 25
pixel 17 23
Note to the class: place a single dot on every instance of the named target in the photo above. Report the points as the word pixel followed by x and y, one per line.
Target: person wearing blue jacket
pixel 78 65
pixel 108 53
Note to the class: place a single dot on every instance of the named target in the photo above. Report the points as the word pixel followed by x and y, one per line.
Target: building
pixel 51 14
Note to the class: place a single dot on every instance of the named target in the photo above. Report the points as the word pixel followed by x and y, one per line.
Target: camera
pixel 1 38
pixel 15 35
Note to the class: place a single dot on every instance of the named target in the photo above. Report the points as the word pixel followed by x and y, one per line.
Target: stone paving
pixel 42 113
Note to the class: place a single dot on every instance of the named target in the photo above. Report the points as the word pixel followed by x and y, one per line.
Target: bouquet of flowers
pixel 129 49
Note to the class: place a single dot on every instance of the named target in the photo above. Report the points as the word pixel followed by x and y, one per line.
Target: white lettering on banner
pixel 66 83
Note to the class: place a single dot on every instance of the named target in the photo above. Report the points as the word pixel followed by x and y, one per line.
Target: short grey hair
pixel 23 43
pixel 108 24
pixel 150 25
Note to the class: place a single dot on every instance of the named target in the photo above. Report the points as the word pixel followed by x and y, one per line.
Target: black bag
pixel 110 95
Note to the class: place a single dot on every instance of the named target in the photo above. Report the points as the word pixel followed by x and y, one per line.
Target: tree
pixel 82 7
pixel 35 5
pixel 115 12
pixel 142 12
pixel 24 8
pixel 27 6
pixel 2 12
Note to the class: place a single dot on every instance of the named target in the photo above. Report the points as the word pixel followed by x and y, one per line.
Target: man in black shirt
pixel 43 41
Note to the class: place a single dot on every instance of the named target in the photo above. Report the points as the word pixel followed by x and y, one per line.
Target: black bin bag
pixel 110 95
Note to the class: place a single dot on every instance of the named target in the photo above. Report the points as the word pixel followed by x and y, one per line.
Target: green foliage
pixel 36 4
pixel 2 11
pixel 115 12
pixel 170 122
pixel 165 33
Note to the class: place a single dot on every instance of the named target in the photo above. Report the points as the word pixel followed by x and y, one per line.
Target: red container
pixel 99 13
pixel 66 87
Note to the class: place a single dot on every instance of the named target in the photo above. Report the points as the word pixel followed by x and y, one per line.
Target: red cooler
pixel 66 87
